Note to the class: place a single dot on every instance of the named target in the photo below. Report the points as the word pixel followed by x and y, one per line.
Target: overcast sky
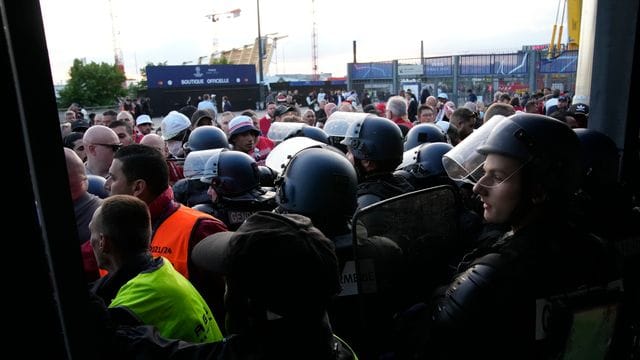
pixel 179 31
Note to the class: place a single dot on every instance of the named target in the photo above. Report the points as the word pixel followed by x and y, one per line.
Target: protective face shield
pixel 337 124
pixel 463 162
pixel 194 163
pixel 279 131
pixel 232 173
pixel 280 156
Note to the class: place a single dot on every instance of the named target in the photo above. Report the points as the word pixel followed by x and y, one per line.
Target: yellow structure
pixel 574 14
pixel 248 54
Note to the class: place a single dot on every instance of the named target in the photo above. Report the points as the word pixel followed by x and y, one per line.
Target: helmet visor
pixel 464 162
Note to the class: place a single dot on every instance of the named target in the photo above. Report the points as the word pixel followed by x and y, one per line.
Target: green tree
pixel 93 85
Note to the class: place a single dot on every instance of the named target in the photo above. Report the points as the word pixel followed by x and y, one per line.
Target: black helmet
pixel 423 133
pixel 549 146
pixel 206 137
pixel 318 181
pixel 231 173
pixel 311 132
pixel 96 186
pixel 375 138
pixel 425 160
pixel 600 157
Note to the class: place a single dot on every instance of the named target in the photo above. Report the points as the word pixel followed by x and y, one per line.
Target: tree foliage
pixel 93 85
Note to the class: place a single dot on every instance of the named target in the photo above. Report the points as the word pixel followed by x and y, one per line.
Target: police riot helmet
pixel 548 146
pixel 96 186
pixel 318 181
pixel 312 132
pixel 375 138
pixel 423 133
pixel 206 137
pixel 425 160
pixel 231 173
pixel 600 157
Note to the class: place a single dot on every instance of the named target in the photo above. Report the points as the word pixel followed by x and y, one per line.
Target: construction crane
pixel 574 10
pixel 274 46
pixel 115 35
pixel 314 42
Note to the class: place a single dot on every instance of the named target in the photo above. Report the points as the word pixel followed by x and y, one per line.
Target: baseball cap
pixel 202 114
pixel 79 125
pixel 579 109
pixel 173 124
pixel 283 109
pixel 143 119
pixel 241 124
pixel 281 260
pixel 443 96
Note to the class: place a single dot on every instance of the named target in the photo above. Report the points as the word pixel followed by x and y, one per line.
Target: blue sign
pixel 510 64
pixel 165 77
pixel 440 66
pixel 567 62
pixel 475 65
pixel 371 71
pixel 306 83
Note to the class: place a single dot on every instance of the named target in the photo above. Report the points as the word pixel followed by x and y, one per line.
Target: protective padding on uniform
pixel 318 181
pixel 206 137
pixel 375 138
pixel 465 295
pixel 282 261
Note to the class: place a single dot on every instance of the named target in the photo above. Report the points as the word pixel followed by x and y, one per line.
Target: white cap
pixel 143 119
pixel 443 96
pixel 173 123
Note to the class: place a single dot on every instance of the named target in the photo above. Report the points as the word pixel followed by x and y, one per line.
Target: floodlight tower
pixel 314 42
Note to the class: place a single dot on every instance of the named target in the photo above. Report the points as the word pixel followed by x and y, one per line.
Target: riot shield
pixel 404 247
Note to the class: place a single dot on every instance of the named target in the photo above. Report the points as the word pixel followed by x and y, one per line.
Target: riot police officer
pixel 375 147
pixel 234 187
pixel 528 168
pixel 319 182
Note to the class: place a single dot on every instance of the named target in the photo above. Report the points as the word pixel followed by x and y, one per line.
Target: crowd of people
pixel 229 235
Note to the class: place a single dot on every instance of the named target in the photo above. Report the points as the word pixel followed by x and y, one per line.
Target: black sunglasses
pixel 114 147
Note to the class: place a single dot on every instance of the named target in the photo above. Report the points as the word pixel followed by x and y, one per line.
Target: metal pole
pixel 260 70
pixel 260 50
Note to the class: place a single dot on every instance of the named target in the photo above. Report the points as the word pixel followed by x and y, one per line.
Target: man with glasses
pixel 529 169
pixel 100 144
pixel 426 114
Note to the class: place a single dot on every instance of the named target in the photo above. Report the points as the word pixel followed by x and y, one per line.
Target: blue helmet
pixel 206 137
pixel 96 186
pixel 231 173
pixel 424 133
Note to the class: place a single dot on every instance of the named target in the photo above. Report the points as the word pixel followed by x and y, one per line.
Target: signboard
pixel 167 77
pixel 410 70
pixel 362 71
pixel 440 66
pixel 567 62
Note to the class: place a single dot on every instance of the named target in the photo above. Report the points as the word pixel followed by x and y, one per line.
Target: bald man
pixel 100 143
pixel 84 205
pixel 157 142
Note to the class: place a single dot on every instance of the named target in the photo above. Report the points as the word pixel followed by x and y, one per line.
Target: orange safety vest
pixel 171 239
